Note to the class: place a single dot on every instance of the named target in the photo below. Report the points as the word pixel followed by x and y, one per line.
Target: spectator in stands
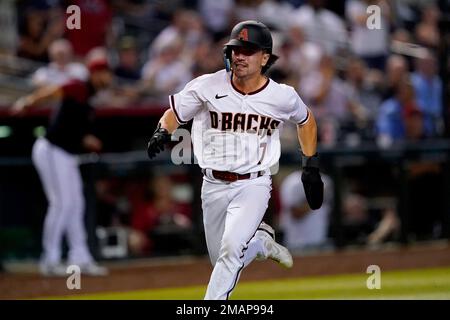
pixel 159 212
pixel 363 87
pixel 372 51
pixel 397 69
pixel 394 114
pixel 10 32
pixel 263 10
pixel 302 227
pixel 279 21
pixel 306 55
pixel 298 57
pixel 207 58
pixel 37 31
pixel 143 20
pixel 95 31
pixel 401 35
pixel 325 93
pixel 401 43
pixel 61 68
pixel 217 16
pixel 165 73
pixel 428 88
pixel 427 30
pixel 321 26
pixel 187 29
pixel 246 10
pixel 425 181
pixel 114 96
pixel 128 66
pixel 405 14
pixel 414 125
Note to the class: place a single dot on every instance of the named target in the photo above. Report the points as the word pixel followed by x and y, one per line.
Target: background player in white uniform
pixel 303 229
pixel 55 159
pixel 235 120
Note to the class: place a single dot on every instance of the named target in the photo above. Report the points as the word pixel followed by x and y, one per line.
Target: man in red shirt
pixel 96 16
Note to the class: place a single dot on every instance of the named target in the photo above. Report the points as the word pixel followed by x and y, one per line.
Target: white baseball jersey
pixel 233 131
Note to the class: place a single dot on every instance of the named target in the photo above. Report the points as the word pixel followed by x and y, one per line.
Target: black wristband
pixel 159 129
pixel 310 161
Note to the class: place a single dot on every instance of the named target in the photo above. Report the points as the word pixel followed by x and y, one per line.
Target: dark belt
pixel 231 176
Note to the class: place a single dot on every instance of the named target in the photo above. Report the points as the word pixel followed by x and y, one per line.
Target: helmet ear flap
pixel 227 58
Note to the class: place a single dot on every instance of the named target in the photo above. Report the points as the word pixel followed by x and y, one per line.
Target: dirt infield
pixel 178 272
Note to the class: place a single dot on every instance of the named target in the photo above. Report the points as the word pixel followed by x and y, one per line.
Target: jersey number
pixel 263 145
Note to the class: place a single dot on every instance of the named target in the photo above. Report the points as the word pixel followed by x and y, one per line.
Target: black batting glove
pixel 156 144
pixel 312 181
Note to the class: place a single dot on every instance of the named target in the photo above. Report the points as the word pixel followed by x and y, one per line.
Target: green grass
pixel 411 284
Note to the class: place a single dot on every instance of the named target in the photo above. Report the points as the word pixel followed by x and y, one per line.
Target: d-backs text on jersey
pixel 243 122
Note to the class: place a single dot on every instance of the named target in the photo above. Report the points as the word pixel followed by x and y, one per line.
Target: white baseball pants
pixel 61 180
pixel 232 213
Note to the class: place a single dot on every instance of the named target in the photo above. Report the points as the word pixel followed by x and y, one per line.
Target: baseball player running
pixel 236 115
pixel 55 159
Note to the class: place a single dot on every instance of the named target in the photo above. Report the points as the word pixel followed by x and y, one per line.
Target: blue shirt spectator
pixel 392 121
pixel 428 87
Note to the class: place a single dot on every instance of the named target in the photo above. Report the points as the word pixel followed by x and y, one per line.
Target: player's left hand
pixel 312 181
pixel 156 144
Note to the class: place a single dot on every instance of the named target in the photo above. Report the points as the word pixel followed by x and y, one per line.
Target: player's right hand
pixel 156 144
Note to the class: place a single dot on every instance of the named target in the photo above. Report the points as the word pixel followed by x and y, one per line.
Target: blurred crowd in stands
pixel 362 83
pixel 379 85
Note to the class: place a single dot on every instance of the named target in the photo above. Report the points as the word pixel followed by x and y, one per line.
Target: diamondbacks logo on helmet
pixel 243 35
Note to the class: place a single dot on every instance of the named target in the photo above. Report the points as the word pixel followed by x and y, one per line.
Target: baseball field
pixel 431 283
pixel 420 271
